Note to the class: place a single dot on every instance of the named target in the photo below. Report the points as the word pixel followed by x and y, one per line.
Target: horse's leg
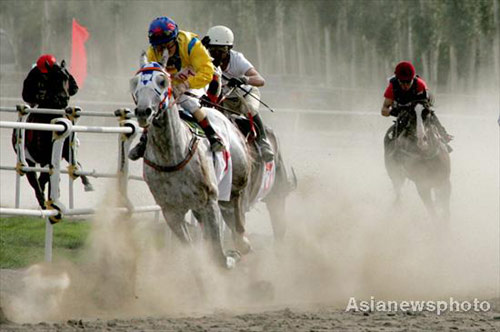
pixel 33 181
pixel 176 222
pixel 443 194
pixel 235 220
pixel 395 172
pixel 85 181
pixel 276 207
pixel 43 179
pixel 211 216
pixel 425 194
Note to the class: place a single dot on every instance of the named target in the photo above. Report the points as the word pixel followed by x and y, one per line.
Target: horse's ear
pixel 143 59
pixel 133 83
pixel 63 63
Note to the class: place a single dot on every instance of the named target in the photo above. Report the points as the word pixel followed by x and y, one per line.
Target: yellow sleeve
pixel 152 55
pixel 202 64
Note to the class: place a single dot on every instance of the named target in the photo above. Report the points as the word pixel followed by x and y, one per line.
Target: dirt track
pixel 285 320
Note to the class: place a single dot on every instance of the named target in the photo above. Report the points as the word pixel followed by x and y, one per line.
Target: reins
pixel 193 145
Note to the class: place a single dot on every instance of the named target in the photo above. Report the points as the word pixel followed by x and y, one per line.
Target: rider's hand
pixel 394 112
pixel 180 88
pixel 237 81
pixel 205 101
pixel 40 95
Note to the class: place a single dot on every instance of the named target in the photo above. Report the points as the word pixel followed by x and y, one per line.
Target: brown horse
pixel 38 144
pixel 414 150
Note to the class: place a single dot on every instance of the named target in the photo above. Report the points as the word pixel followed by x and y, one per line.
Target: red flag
pixel 78 66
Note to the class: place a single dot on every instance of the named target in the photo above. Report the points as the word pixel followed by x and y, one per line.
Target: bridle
pixel 193 144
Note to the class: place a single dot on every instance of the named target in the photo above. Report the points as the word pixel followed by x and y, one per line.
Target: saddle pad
pixel 269 174
pixel 224 173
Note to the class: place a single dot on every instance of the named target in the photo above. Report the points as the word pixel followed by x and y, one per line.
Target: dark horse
pixel 415 150
pixel 51 90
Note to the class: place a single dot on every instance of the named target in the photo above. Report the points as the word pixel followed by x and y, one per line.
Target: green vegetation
pixel 22 240
pixel 341 43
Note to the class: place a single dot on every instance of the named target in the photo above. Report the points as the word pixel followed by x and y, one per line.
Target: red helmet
pixel 405 71
pixel 43 60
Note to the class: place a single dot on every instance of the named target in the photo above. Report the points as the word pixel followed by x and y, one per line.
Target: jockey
pixel 406 87
pixel 38 91
pixel 191 68
pixel 238 72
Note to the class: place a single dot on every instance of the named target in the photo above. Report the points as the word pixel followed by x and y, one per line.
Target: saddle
pixel 242 123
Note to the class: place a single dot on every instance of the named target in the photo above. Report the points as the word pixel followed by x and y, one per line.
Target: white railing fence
pixel 62 128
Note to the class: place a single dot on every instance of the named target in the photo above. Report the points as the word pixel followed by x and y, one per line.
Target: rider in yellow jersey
pixel 191 67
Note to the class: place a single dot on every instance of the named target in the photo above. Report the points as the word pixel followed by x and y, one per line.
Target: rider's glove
pixel 205 101
pixel 237 81
pixel 394 112
pixel 180 88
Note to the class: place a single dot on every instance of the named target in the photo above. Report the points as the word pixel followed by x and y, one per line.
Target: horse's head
pixel 415 121
pixel 57 85
pixel 150 88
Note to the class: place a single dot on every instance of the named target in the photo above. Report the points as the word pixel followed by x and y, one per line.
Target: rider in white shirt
pixel 238 72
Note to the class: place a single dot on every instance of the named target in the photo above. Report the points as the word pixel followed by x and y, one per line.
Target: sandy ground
pixel 345 239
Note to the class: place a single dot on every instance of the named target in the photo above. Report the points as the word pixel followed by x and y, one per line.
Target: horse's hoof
pixel 230 263
pixel 242 244
pixel 88 187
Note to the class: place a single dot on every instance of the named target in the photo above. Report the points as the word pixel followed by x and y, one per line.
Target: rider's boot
pixel 216 143
pixel 442 132
pixel 264 144
pixel 138 151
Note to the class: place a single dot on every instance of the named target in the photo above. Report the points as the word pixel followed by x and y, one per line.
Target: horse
pixel 269 182
pixel 179 165
pixel 38 144
pixel 413 149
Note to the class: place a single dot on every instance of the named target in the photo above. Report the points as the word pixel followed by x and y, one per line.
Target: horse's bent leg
pixel 425 194
pixel 85 181
pixel 178 225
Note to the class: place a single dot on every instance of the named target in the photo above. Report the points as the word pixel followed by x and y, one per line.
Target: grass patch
pixel 22 240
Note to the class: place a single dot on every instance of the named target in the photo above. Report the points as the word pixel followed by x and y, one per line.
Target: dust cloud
pixel 345 239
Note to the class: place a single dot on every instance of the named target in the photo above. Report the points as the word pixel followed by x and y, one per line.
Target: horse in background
pixel 269 182
pixel 414 150
pixel 38 144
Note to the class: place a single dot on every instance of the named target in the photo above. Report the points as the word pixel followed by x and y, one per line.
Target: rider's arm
pixel 254 78
pixel 33 88
pixel 386 107
pixel 202 64
pixel 73 87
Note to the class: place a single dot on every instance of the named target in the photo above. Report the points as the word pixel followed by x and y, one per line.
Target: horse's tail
pixel 286 180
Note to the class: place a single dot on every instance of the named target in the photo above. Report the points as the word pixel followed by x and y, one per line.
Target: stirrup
pixel 216 144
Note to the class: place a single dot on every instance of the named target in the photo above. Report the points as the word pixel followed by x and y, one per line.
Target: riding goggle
pixel 405 81
pixel 218 48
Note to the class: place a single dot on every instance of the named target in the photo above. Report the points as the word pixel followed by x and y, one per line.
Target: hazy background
pixel 326 65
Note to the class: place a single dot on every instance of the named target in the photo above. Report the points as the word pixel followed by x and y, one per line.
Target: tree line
pixel 334 43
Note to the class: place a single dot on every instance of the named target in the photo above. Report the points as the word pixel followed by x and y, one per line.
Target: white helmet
pixel 220 35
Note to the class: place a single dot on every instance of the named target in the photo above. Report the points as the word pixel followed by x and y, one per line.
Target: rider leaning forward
pixel 406 87
pixel 37 89
pixel 237 72
pixel 190 66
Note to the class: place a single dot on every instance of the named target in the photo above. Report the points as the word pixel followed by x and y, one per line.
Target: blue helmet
pixel 162 30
